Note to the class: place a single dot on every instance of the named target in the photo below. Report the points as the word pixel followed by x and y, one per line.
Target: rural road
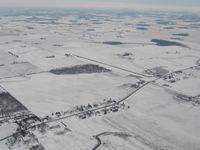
pixel 132 72
pixel 99 108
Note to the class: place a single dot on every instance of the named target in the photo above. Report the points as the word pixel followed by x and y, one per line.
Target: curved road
pixel 97 137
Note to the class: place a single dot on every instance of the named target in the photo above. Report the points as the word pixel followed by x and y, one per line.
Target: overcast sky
pixel 159 4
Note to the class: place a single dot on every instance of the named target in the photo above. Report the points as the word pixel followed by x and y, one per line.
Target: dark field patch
pixel 164 22
pixel 141 28
pixel 88 68
pixel 30 28
pixel 97 23
pixel 177 38
pixel 113 43
pixel 169 28
pixel 181 34
pixel 195 27
pixel 90 29
pixel 182 27
pixel 143 24
pixel 160 42
pixel 127 54
pixel 157 71
pixel 9 104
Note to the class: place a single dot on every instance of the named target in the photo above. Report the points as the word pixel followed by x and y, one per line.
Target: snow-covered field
pixel 99 80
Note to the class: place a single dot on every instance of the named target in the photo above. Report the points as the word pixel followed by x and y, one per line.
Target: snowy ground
pixel 150 62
